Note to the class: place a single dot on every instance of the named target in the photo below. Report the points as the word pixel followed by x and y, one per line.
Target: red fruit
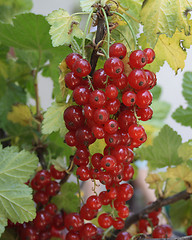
pixel 123 211
pixel 117 203
pixel 70 138
pixel 43 178
pixel 98 132
pixel 73 221
pixel 81 68
pixel 128 172
pixel 150 54
pixel 168 230
pixel 125 192
pixel 96 160
pixel 83 173
pixel 51 208
pixel 162 232
pixel 108 162
pixel 88 230
pixel 117 50
pixel 189 230
pixel 118 223
pixel 113 67
pixel 53 188
pixel 99 78
pixel 112 105
pixel 144 98
pixel 111 193
pixel 129 98
pixel 45 235
pixel 87 213
pixel 93 202
pixel 105 220
pixel 137 79
pixel 58 221
pixel 42 221
pixel 35 185
pixel 137 59
pixel 101 116
pixel 105 178
pixel 88 111
pixel 73 117
pixel 71 59
pixel 71 235
pixel 72 81
pixel 97 99
pixel 111 91
pixel 144 114
pixel 41 197
pixel 29 233
pixel 120 153
pixel 104 198
pixel 136 131
pixel 123 236
pixel 155 213
pixel 56 173
pixel 125 119
pixel 143 224
pixel 81 95
pixel 112 139
pixel 111 126
pixel 84 136
pixel 121 81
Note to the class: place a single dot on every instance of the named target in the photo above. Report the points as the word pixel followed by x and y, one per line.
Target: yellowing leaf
pixel 97 146
pixel 163 16
pixel 63 27
pixel 185 150
pixel 20 114
pixel 64 71
pixel 168 49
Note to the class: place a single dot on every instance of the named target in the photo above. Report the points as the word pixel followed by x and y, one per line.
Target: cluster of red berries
pixel 108 105
pixel 152 220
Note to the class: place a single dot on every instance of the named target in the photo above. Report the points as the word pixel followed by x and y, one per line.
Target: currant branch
pixel 152 207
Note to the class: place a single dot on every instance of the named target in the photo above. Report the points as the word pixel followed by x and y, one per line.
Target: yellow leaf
pixel 97 146
pixel 20 114
pixel 155 181
pixel 64 71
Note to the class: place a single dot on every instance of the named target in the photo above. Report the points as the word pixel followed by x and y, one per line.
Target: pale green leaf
pixel 183 116
pixel 163 17
pixel 16 166
pixel 16 202
pixel 53 119
pixel 160 109
pixel 185 150
pixel 187 87
pixel 132 6
pixel 86 5
pixel 3 223
pixel 163 151
pixel 67 199
pixel 156 91
pixel 63 27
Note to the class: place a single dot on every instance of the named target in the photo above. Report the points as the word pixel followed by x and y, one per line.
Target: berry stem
pixel 106 232
pixel 90 83
pixel 124 38
pixel 130 27
pixel 108 31
pixel 85 33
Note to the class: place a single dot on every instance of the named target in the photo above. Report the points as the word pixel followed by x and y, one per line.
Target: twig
pixel 152 207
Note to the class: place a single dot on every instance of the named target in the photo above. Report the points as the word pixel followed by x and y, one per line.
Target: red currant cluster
pixel 107 107
pixel 189 230
pixel 152 220
pixel 49 222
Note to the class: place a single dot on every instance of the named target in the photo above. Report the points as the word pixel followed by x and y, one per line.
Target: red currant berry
pixel 99 78
pixel 88 111
pixel 144 114
pixel 101 116
pixel 137 79
pixel 88 230
pixel 144 98
pixel 112 105
pixel 104 198
pixel 41 197
pixel 73 221
pixel 81 95
pixel 53 188
pixel 51 208
pixel 128 172
pixel 137 59
pixel 29 233
pixel 125 119
pixel 70 139
pixel 123 211
pixel 136 131
pixel 42 221
pixel 108 162
pixel 72 81
pixel 111 91
pixel 73 117
pixel 117 50
pixel 71 59
pixel 105 220
pixel 118 223
pixel 121 81
pixel 81 68
pixel 123 236
pixel 129 98
pixel 120 153
pixel 71 235
pixel 56 173
pixel 125 192
pixel 112 139
pixel 113 67
pixel 111 126
pixel 98 132
pixel 84 136
pixel 83 173
pixel 87 213
pixel 150 54
pixel 43 178
pixel 93 202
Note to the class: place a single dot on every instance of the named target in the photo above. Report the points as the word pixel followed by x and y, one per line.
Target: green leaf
pixel 16 166
pixel 187 87
pixel 132 6
pixel 183 116
pixel 156 91
pixel 184 208
pixel 160 109
pixel 53 119
pixel 86 5
pixel 3 223
pixel 67 199
pixel 16 202
pixel 163 152
pixel 63 27
pixel 162 17
pixel 185 150
pixel 10 8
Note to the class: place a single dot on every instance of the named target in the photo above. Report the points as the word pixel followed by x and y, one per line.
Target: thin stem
pixel 106 232
pixel 90 83
pixel 130 27
pixel 108 31
pixel 6 139
pixel 85 32
pixel 79 13
pixel 129 15
pixel 124 38
pixel 103 50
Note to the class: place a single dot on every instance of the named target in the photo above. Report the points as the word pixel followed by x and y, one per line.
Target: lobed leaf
pixel 187 87
pixel 16 166
pixel 163 151
pixel 63 27
pixel 183 116
pixel 16 202
pixel 53 119
pixel 185 150
pixel 3 223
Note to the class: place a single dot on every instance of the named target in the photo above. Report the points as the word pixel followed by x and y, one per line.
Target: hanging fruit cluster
pixel 107 106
